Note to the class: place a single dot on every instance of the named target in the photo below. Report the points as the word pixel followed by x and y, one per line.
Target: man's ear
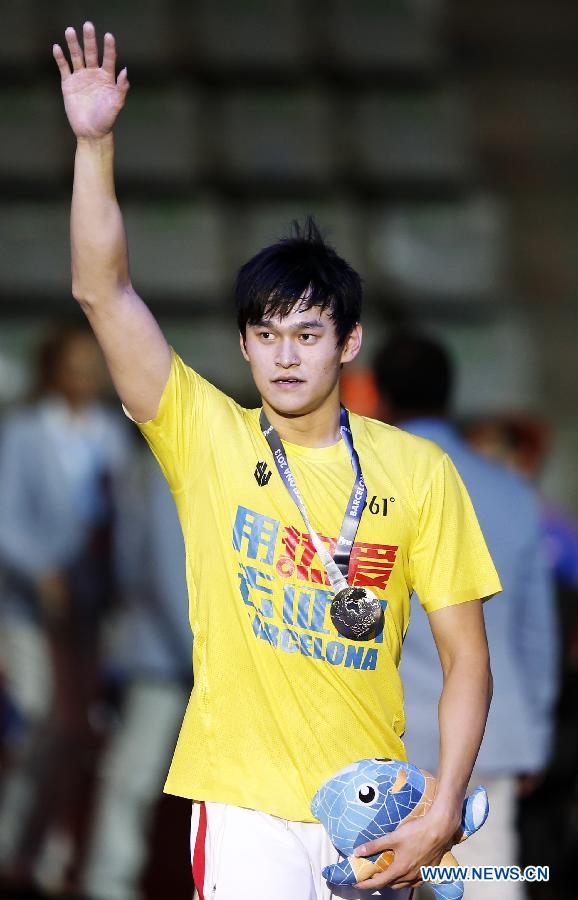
pixel 352 344
pixel 243 345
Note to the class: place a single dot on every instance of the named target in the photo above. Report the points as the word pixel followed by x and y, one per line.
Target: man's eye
pixel 307 338
pixel 265 335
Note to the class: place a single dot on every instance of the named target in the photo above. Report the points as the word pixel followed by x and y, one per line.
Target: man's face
pixel 295 361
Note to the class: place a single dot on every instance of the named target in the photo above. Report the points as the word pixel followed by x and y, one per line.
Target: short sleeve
pixel 177 432
pixel 450 562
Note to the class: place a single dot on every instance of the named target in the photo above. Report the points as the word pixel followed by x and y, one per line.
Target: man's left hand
pixel 419 842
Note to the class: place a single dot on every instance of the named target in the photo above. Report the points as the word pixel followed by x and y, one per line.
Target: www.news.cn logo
pixel 443 874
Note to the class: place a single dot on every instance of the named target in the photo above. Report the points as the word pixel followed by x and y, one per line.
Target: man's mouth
pixel 288 380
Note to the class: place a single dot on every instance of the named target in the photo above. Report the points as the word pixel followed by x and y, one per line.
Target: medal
pixel 356 612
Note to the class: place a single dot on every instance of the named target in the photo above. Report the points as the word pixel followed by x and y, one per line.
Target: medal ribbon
pixel 337 567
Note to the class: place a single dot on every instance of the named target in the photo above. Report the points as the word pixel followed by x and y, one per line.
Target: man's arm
pixel 134 347
pixel 460 638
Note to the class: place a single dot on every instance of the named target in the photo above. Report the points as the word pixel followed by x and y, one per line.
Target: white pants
pixel 244 854
pixel 132 774
pixel 26 666
pixel 27 671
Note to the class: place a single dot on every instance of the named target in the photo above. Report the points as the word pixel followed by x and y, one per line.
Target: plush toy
pixel 371 798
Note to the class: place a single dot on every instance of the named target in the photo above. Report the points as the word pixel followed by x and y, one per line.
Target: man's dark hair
pixel 415 374
pixel 301 267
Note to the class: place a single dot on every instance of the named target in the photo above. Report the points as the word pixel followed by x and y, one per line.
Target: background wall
pixel 434 141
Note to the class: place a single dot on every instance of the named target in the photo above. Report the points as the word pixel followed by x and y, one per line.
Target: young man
pixel 281 701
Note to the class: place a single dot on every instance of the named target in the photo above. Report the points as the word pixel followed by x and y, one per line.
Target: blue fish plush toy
pixel 371 798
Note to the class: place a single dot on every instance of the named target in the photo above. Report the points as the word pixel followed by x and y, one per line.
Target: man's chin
pixel 290 405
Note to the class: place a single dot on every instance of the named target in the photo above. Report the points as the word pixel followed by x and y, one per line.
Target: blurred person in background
pixel 415 378
pixel 59 458
pixel 154 648
pixel 522 443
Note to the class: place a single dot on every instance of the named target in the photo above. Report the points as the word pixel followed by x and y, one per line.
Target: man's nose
pixel 287 354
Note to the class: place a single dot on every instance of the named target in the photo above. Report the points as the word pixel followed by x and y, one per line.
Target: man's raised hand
pixel 93 97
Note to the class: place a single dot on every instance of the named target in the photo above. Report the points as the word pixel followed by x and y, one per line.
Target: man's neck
pixel 319 428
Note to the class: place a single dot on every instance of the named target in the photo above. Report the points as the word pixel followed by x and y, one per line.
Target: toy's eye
pixel 382 759
pixel 367 793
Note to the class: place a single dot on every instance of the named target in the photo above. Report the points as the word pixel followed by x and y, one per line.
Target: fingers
pixel 61 61
pixel 74 47
pixel 376 846
pixel 89 57
pixel 405 884
pixel 389 877
pixel 398 873
pixel 109 55
pixel 90 48
pixel 376 882
pixel 122 81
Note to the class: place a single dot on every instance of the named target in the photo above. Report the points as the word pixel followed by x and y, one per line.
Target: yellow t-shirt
pixel 281 701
